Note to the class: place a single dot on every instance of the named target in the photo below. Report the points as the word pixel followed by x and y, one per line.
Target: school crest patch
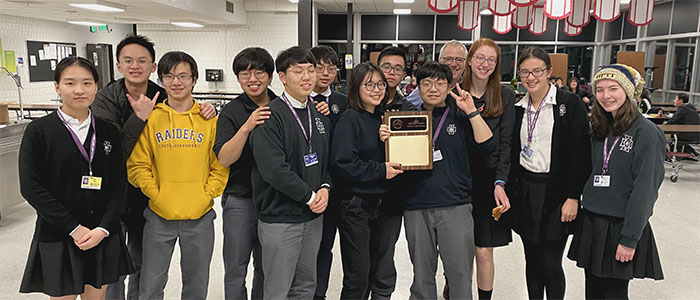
pixel 107 146
pixel 562 110
pixel 319 126
pixel 626 143
pixel 335 109
pixel 451 129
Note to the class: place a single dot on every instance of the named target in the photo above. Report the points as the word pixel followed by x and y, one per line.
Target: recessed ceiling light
pixel 624 1
pixel 98 5
pixel 187 24
pixel 294 1
pixel 403 1
pixel 485 12
pixel 402 11
pixel 86 23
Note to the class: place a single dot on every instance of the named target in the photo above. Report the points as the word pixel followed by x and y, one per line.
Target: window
pixel 682 64
pixel 660 48
pixel 580 60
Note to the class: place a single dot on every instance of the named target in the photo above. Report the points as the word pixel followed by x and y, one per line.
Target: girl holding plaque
pixel 550 156
pixel 71 171
pixel 361 178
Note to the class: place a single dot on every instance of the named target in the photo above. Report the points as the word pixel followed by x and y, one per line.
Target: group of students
pixel 298 166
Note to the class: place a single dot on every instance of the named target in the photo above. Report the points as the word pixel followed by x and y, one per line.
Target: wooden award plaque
pixel 411 140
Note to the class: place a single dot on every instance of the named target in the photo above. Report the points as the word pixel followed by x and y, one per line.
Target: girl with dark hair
pixel 614 241
pixel 575 87
pixel 551 162
pixel 489 170
pixel 71 171
pixel 362 178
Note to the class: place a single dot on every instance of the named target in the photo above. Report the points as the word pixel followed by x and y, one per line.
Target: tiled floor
pixel 675 223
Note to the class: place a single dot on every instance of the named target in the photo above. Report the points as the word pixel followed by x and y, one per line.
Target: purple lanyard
pixel 531 124
pixel 442 121
pixel 296 116
pixel 606 154
pixel 79 144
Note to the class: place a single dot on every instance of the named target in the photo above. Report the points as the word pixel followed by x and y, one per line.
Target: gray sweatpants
pixel 289 252
pixel 196 239
pixel 240 226
pixel 448 231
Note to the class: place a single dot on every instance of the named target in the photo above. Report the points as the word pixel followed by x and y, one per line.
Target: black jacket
pixel 399 103
pixel 282 184
pixel 231 119
pixel 495 165
pixel 357 154
pixel 50 172
pixel 112 106
pixel 449 183
pixel 337 104
pixel 636 171
pixel 571 149
pixel 687 114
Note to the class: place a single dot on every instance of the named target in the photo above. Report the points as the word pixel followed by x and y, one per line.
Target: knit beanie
pixel 629 79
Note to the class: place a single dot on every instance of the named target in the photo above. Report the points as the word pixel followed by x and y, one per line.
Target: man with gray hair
pixel 454 55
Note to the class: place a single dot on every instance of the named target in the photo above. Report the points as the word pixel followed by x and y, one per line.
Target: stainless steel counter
pixel 10 139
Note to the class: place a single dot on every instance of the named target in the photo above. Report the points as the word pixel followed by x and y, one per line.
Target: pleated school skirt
pixel 60 268
pixel 595 243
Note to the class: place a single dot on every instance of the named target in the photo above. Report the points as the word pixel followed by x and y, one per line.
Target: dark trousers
pixel 368 237
pixel 325 253
pixel 606 288
pixel 133 231
pixel 543 270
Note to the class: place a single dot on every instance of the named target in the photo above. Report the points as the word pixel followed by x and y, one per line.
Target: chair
pixel 674 155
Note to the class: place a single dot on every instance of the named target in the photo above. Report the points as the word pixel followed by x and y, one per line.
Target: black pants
pixel 543 269
pixel 325 252
pixel 368 236
pixel 606 288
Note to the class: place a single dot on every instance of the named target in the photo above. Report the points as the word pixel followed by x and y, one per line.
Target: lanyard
pixel 531 124
pixel 296 116
pixel 442 121
pixel 93 140
pixel 606 154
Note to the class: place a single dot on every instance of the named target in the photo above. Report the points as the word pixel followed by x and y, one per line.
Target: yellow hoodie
pixel 174 165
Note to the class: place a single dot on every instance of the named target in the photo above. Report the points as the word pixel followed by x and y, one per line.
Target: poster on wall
pixel 46 57
pixel 10 63
pixel 2 59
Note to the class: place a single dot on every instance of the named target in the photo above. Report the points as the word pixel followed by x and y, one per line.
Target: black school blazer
pixel 571 148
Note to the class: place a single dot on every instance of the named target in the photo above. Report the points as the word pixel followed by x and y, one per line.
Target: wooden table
pixel 674 109
pixel 672 129
pixel 656 119
pixel 662 104
pixel 30 107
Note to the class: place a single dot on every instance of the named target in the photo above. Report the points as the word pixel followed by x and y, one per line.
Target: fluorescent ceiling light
pixel 624 1
pixel 403 1
pixel 294 1
pixel 187 24
pixel 101 6
pixel 86 23
pixel 485 12
pixel 402 11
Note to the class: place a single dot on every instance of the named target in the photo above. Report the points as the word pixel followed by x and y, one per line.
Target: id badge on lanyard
pixel 87 182
pixel 437 154
pixel 311 158
pixel 603 180
pixel 527 151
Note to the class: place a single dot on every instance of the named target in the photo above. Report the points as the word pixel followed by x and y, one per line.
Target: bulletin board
pixel 560 64
pixel 43 57
pixel 634 59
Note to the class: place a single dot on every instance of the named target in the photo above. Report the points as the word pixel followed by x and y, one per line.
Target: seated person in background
pixel 687 114
pixel 559 82
pixel 585 96
pixel 643 102
pixel 553 80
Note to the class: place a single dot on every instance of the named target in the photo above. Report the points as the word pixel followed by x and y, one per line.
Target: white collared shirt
pixel 541 144
pixel 295 103
pixel 326 94
pixel 81 130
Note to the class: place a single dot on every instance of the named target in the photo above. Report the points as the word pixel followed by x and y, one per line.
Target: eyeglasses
pixel 330 69
pixel 480 59
pixel 182 77
pixel 370 86
pixel 426 85
pixel 245 75
pixel 536 72
pixel 450 59
pixel 387 68
pixel 299 72
pixel 128 61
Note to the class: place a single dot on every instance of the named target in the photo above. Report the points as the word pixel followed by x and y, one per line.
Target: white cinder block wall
pixel 15 31
pixel 215 46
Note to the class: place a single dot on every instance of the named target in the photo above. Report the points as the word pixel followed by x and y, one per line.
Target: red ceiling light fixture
pixel 606 10
pixel 500 7
pixel 557 9
pixel 641 12
pixel 580 13
pixel 522 17
pixel 443 6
